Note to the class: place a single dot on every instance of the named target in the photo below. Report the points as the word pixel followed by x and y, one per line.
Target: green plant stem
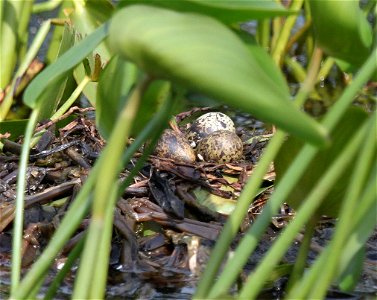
pixel 302 288
pixel 309 41
pixel 257 279
pixel 68 103
pixel 367 205
pixel 20 199
pixel 14 14
pixel 279 49
pixel 357 183
pixel 98 283
pixel 282 191
pixel 46 6
pixel 300 263
pixel 71 221
pixel 33 294
pixel 276 28
pixel 298 34
pixel 80 207
pixel 91 266
pixel 309 81
pixel 264 33
pixel 250 190
pixel 72 257
pixel 2 7
pixel 63 109
pixel 365 72
pixel 231 228
pixel 34 48
pixel 325 69
pixel 297 70
pixel 23 26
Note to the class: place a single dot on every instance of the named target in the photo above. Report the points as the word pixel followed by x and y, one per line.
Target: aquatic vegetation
pixel 137 62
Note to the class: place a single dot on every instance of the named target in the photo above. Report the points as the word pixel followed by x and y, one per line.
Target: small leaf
pixel 214 202
pixel 224 10
pixel 33 94
pixel 86 17
pixel 15 127
pixel 342 30
pixel 202 54
pixel 114 85
pixel 340 136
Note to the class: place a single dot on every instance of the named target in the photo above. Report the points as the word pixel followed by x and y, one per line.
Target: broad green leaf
pixel 342 30
pixel 202 54
pixel 225 11
pixel 34 92
pixel 15 127
pixel 261 56
pixel 86 17
pixel 340 136
pixel 114 85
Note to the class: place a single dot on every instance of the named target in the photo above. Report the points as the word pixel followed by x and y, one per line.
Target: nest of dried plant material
pixel 182 206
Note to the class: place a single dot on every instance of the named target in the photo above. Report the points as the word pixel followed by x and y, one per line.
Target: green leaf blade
pixel 202 54
pixel 342 30
pixel 71 58
pixel 331 204
pixel 228 12
pixel 112 93
pixel 86 17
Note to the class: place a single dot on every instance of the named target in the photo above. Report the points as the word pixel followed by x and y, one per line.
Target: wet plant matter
pixel 137 63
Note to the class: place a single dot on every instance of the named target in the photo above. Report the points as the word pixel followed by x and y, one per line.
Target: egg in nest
pixel 221 146
pixel 175 146
pixel 207 124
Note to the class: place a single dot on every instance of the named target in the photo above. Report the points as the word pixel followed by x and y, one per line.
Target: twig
pixel 62 117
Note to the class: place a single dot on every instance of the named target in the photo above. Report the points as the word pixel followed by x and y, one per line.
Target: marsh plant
pixel 134 61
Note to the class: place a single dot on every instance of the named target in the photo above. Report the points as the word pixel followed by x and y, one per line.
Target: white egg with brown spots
pixel 207 124
pixel 220 146
pixel 175 146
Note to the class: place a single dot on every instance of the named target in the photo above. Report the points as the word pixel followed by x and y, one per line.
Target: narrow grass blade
pixel 257 279
pixel 20 199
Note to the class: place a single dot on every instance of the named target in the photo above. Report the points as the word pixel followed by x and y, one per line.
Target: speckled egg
pixel 220 146
pixel 206 124
pixel 174 146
